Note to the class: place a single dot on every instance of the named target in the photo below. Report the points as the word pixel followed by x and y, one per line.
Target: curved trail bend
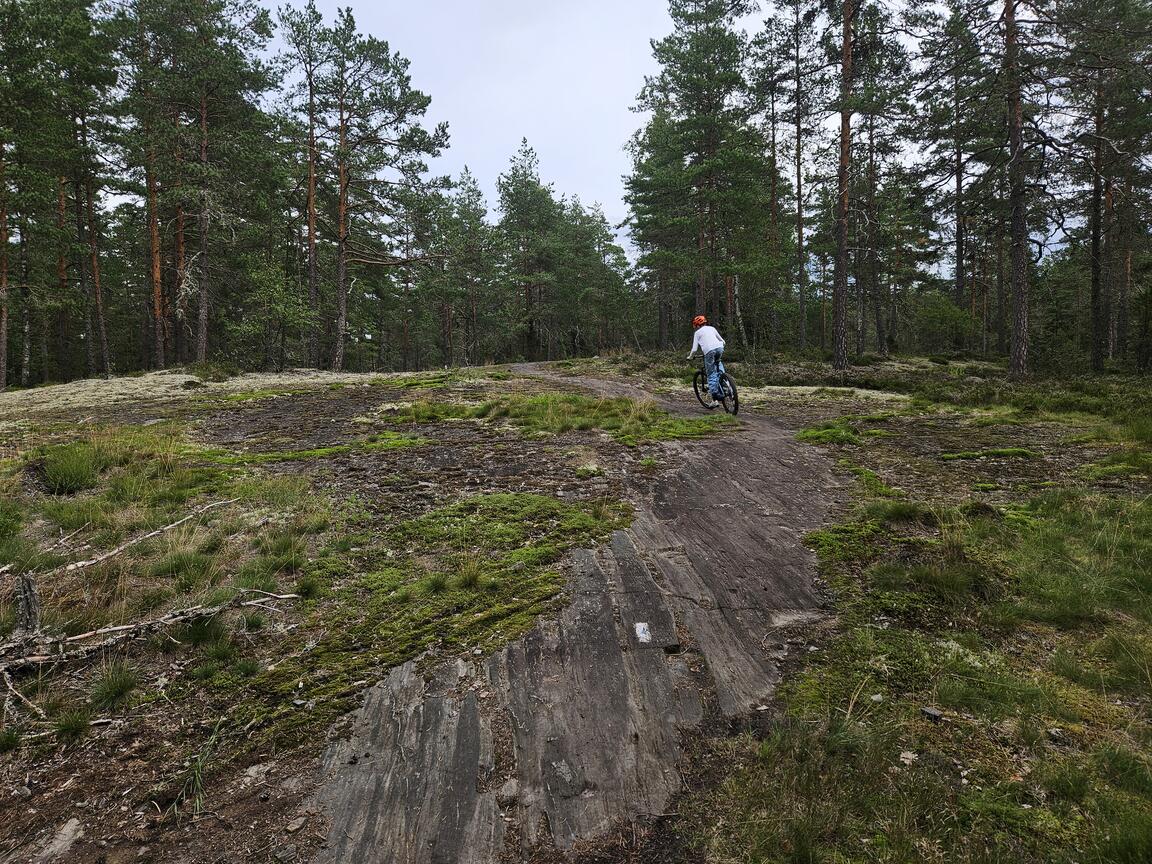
pixel 575 729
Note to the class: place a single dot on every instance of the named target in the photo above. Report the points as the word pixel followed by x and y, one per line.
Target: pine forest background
pixel 851 179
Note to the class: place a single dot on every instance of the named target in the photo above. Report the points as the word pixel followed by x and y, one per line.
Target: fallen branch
pixel 79 565
pixel 38 736
pixel 53 651
pixel 12 688
pixel 65 538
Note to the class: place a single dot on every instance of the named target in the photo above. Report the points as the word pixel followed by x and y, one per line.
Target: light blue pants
pixel 713 366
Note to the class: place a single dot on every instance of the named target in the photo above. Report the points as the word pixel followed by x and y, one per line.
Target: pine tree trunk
pixel 25 307
pixel 1001 294
pixel 405 346
pixel 46 370
pixel 958 288
pixel 1124 287
pixel 82 268
pixel 154 250
pixel 3 271
pixel 202 222
pixel 1018 359
pixel 1098 319
pixel 873 254
pixel 94 257
pixel 446 352
pixel 701 281
pixel 473 333
pixel 1107 243
pixel 97 290
pixel 62 249
pixel 823 303
pixel 342 244
pixel 381 327
pixel 662 306
pixel 840 274
pixel 313 279
pixel 773 222
pixel 984 306
pixel 801 261
pixel 182 330
pixel 893 318
pixel 861 286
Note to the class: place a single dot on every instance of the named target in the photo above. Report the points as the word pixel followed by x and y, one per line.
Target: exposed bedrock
pixel 577 727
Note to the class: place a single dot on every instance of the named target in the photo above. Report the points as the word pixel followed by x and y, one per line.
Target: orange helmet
pixel 699 321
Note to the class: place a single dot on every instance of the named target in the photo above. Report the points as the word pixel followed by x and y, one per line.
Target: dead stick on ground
pixel 12 687
pixel 182 615
pixel 126 632
pixel 67 537
pixel 78 565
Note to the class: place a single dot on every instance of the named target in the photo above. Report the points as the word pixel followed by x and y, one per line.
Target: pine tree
pixel 474 255
pixel 309 47
pixel 848 12
pixel 884 73
pixel 529 212
pixel 372 120
pixel 703 93
pixel 661 218
pixel 954 116
pixel 804 87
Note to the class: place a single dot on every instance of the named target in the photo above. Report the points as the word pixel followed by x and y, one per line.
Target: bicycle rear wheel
pixel 700 385
pixel 731 400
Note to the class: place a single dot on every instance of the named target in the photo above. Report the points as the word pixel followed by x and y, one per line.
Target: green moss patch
pixel 418 381
pixel 379 441
pixel 995 453
pixel 832 432
pixel 253 395
pixel 628 421
pixel 473 574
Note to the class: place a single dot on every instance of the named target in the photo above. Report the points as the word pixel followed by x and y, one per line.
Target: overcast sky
pixel 562 73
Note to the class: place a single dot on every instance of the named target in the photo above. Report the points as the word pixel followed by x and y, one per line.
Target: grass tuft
pixel 9 739
pixel 72 724
pixel 831 432
pixel 114 686
pixel 71 468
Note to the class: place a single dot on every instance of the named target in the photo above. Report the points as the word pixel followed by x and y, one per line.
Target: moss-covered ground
pixel 628 421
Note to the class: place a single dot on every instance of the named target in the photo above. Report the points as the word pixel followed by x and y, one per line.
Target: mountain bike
pixel 728 395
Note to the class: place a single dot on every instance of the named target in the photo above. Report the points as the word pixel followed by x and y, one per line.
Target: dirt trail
pixel 576 730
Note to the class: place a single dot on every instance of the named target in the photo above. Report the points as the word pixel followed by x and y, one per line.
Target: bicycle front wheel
pixel 731 398
pixel 700 385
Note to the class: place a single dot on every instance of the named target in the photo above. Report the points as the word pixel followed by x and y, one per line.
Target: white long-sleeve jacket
pixel 707 339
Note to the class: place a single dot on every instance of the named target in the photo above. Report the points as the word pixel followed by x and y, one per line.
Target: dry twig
pixel 79 565
pixel 56 650
pixel 12 688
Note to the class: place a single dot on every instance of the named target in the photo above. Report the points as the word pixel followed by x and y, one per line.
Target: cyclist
pixel 711 345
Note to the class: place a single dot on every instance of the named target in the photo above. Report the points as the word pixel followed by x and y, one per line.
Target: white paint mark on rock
pixel 643 634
